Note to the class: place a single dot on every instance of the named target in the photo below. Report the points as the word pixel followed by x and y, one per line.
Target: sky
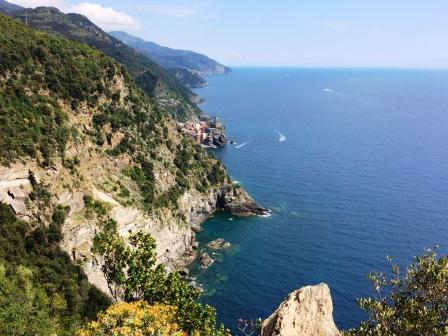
pixel 283 33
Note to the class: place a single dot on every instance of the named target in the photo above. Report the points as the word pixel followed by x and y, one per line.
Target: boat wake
pixel 242 145
pixel 281 137
pixel 336 93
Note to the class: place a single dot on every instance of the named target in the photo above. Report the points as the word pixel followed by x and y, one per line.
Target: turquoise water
pixel 362 174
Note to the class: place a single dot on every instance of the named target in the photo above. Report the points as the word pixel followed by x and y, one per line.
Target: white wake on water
pixel 337 93
pixel 242 145
pixel 281 136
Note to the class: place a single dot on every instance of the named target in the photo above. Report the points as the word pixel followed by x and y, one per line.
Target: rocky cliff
pixel 76 131
pixel 175 237
pixel 307 311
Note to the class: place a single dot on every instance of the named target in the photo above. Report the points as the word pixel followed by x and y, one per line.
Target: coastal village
pixel 206 131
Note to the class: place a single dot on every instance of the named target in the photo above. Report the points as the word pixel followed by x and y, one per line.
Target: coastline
pixel 234 201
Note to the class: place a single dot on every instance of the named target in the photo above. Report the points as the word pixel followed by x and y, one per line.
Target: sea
pixel 353 165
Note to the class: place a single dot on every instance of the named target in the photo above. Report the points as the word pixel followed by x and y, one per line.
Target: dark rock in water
pixel 206 260
pixel 183 272
pixel 197 286
pixel 195 245
pixel 237 201
pixel 218 244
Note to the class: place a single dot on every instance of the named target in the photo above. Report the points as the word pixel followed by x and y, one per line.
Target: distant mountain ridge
pixel 8 8
pixel 173 58
pixel 188 78
pixel 167 91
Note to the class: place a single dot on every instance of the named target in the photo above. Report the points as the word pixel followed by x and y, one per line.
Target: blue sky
pixel 313 33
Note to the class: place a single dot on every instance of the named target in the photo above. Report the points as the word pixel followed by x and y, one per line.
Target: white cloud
pixel 105 17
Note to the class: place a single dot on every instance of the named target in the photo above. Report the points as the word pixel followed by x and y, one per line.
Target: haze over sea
pixel 362 174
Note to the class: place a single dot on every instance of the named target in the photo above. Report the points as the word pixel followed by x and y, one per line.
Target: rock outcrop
pixel 15 186
pixel 238 202
pixel 307 311
pixel 219 244
pixel 206 260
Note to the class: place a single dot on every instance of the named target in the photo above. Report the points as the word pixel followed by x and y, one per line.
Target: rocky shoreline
pixel 176 243
pixel 233 200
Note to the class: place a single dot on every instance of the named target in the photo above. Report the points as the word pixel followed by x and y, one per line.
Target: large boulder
pixel 238 202
pixel 307 311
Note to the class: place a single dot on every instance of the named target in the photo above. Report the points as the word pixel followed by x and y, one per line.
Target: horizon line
pixel 335 67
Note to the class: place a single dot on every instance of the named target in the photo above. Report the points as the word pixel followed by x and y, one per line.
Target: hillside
pixel 167 91
pixel 84 152
pixel 188 78
pixel 74 126
pixel 173 58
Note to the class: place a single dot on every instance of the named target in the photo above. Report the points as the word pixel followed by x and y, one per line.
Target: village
pixel 207 131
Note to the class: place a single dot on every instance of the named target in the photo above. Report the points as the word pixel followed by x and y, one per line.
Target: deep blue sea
pixel 362 174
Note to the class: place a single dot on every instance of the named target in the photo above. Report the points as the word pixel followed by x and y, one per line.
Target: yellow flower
pixel 135 319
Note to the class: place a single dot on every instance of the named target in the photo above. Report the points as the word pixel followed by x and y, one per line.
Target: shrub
pixel 412 303
pixel 133 268
pixel 135 319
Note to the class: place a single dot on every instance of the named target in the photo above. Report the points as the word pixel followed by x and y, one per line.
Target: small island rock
pixel 206 260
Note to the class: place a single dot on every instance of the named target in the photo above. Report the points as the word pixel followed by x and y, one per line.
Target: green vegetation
pixel 39 72
pixel 95 207
pixel 153 79
pixel 132 267
pixel 188 78
pixel 55 92
pixel 183 61
pixel 41 196
pixel 144 177
pixel 35 72
pixel 41 291
pixel 410 303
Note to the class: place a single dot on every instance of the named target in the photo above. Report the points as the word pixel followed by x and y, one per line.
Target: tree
pixel 132 274
pixel 135 319
pixel 417 304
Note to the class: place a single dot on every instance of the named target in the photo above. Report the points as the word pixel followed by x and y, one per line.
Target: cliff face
pixel 175 238
pixel 307 311
pixel 76 131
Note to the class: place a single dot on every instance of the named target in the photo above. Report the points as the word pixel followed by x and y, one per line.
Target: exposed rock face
pixel 239 203
pixel 206 260
pixel 307 311
pixel 176 245
pixel 15 186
